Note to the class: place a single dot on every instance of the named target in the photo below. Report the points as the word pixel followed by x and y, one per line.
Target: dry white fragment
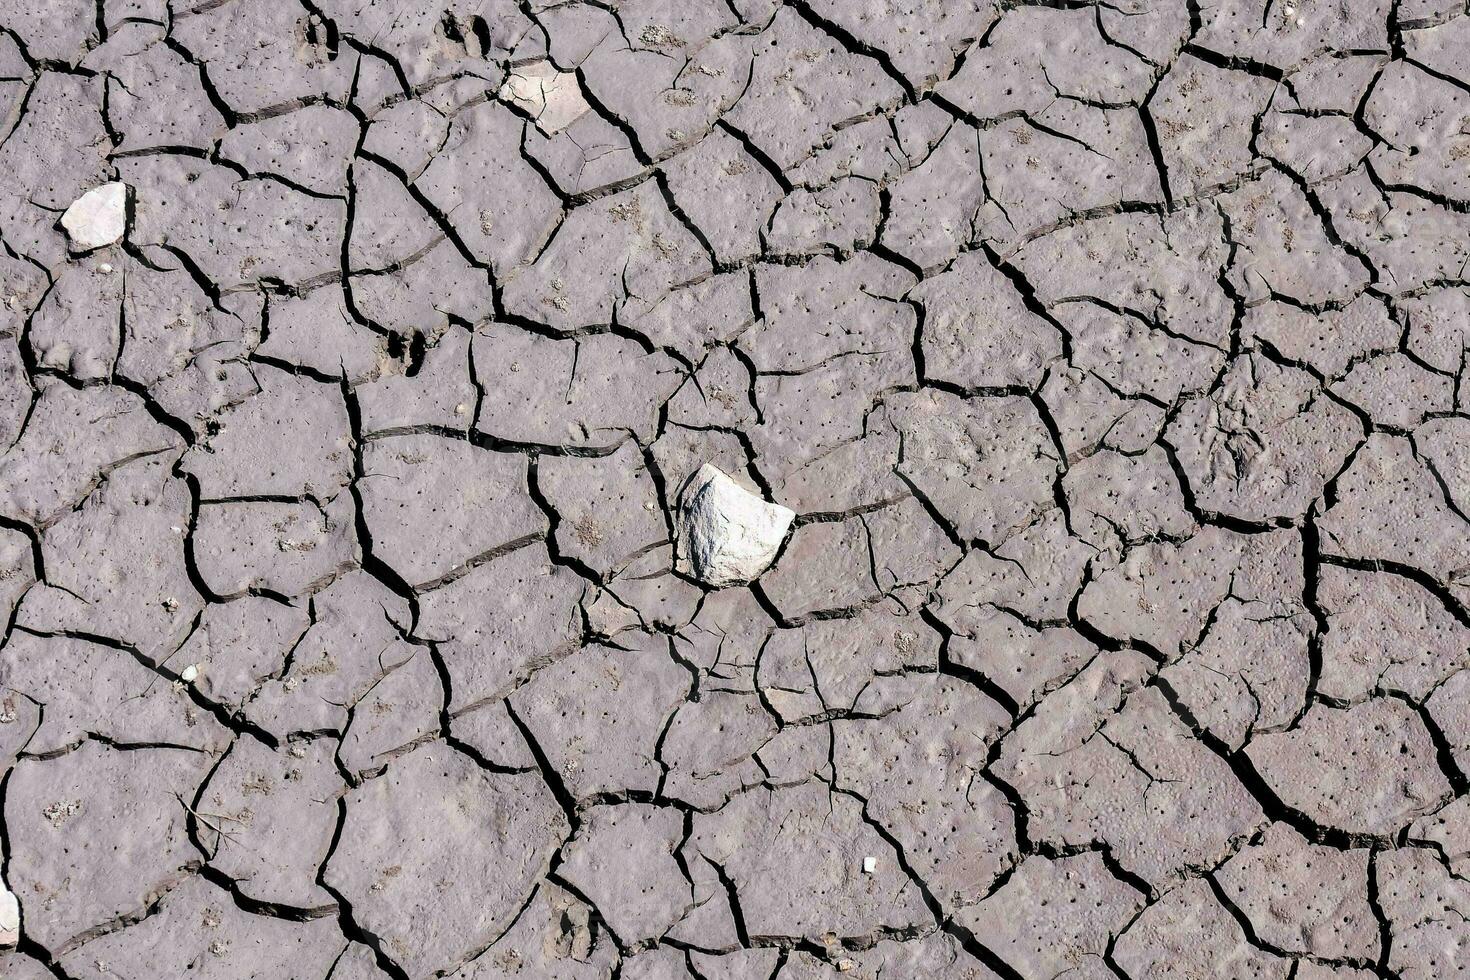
pixel 1301 22
pixel 870 865
pixel 9 918
pixel 553 98
pixel 61 811
pixel 726 535
pixel 105 268
pixel 97 218
pixel 189 674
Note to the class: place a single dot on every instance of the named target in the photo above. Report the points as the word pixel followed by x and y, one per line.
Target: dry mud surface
pixel 1079 583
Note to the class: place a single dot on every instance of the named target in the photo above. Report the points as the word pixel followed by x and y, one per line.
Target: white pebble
pixel 9 918
pixel 97 218
pixel 726 535
pixel 870 865
pixel 189 673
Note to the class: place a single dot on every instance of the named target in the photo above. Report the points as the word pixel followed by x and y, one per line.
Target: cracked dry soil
pixel 356 355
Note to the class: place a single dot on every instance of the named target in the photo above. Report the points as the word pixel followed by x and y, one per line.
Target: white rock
pixel 189 674
pixel 9 918
pixel 726 535
pixel 870 865
pixel 97 218
pixel 553 98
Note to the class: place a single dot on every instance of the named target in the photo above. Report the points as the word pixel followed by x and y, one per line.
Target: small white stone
pixel 1301 22
pixel 9 918
pixel 726 535
pixel 1290 11
pixel 870 865
pixel 105 268
pixel 189 674
pixel 553 98
pixel 97 218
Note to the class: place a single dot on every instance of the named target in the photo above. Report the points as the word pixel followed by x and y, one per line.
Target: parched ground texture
pixel 1110 355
